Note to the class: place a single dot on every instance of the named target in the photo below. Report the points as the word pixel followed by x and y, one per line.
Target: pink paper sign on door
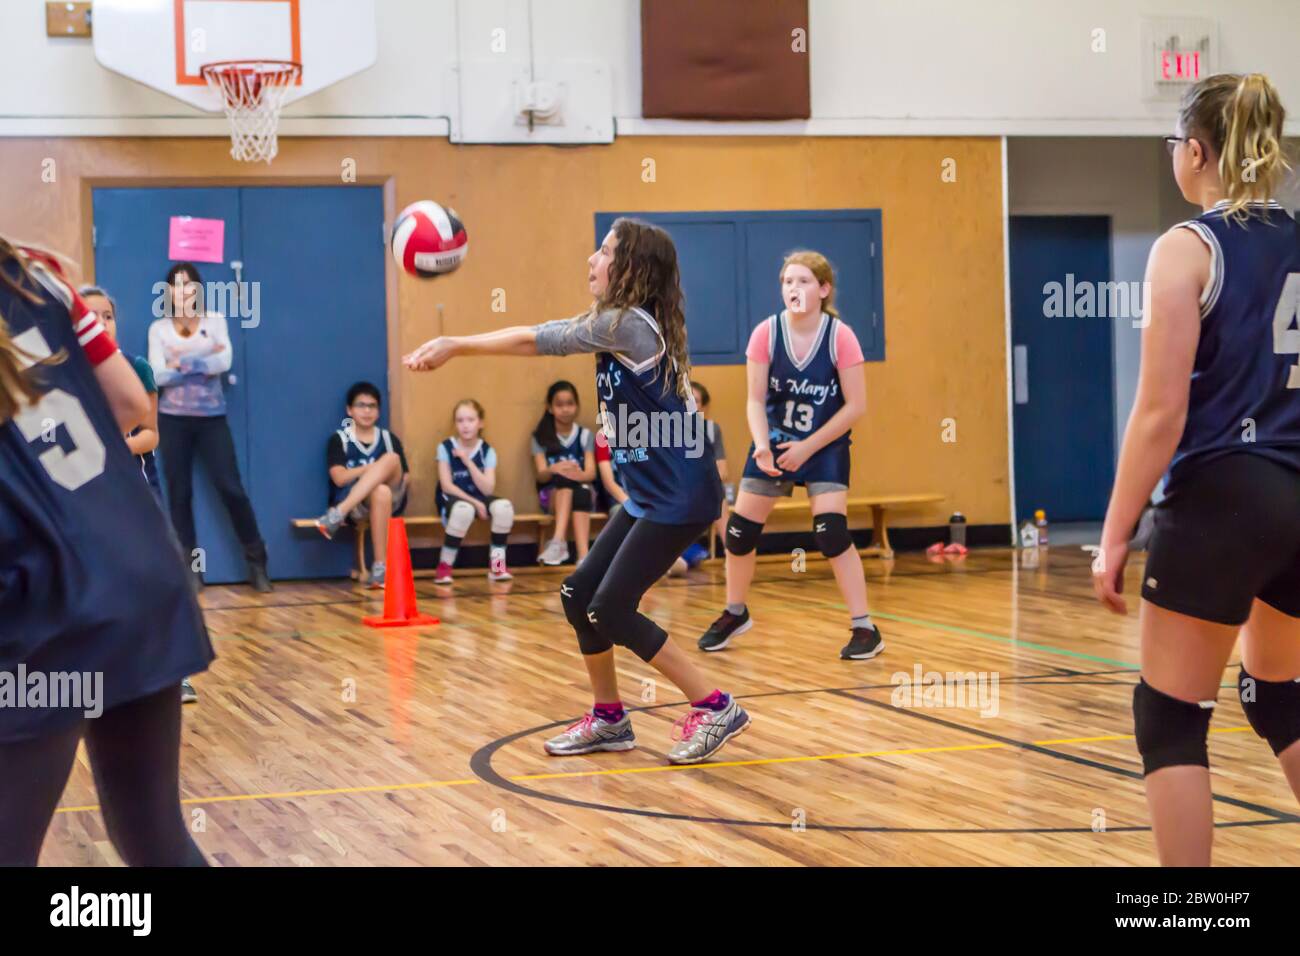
pixel 196 240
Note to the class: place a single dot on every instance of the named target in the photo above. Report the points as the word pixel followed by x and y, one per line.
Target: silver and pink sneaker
pixel 703 732
pixel 589 734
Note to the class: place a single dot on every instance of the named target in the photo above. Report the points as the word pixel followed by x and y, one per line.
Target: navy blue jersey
pixel 574 449
pixel 460 476
pixel 347 450
pixel 1246 377
pixel 91 576
pixel 149 460
pixel 802 396
pixel 656 439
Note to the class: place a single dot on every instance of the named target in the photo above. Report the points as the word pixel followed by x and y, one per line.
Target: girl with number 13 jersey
pixel 806 389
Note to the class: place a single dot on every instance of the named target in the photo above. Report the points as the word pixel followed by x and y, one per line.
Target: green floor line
pixel 970 632
pixel 1003 639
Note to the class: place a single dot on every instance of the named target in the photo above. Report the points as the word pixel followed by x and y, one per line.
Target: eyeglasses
pixel 364 406
pixel 1172 141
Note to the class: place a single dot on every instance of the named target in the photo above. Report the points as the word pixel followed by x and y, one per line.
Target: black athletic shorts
pixel 1228 533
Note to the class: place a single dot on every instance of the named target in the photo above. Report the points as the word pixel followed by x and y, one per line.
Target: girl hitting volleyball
pixel 564 458
pixel 806 389
pixel 1218 408
pixel 467 476
pixel 637 331
pixel 74 601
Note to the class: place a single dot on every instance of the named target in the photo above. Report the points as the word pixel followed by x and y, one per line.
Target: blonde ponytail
pixel 1240 117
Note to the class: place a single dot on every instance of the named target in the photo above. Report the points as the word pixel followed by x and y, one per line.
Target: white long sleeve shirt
pixel 195 387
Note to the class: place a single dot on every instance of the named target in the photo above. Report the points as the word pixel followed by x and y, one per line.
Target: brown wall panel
pixel 725 59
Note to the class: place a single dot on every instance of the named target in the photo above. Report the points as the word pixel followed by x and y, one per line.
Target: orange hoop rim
pixel 267 69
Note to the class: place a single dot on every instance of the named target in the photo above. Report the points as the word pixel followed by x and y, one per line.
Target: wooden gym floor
pixel 318 741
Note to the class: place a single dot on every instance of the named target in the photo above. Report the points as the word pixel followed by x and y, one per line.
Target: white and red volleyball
pixel 428 240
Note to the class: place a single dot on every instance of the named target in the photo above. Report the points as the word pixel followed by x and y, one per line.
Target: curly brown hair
pixel 644 273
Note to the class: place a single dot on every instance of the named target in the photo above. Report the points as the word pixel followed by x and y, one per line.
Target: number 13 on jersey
pixel 805 413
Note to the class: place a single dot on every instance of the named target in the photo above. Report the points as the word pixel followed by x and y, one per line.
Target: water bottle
pixel 1040 520
pixel 957 528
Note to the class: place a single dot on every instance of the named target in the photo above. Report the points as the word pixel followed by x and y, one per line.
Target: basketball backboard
pixel 163 43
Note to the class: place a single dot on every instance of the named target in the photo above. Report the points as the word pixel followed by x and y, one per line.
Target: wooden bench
pixel 879 505
pixel 428 522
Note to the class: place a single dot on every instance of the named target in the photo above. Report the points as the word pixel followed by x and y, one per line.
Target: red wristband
pixel 94 338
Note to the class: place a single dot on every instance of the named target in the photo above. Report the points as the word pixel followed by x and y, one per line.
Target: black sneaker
pixel 722 630
pixel 866 643
pixel 258 578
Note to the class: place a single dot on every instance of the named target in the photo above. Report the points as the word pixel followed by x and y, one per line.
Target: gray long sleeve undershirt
pixel 612 330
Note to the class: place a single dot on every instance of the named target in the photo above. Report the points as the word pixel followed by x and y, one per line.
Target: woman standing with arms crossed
pixel 638 332
pixel 1218 405
pixel 189 352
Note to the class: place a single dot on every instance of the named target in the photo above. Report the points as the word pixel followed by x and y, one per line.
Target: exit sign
pixel 1179 65
pixel 1176 53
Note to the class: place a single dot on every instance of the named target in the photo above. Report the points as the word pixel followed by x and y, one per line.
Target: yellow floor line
pixel 716 765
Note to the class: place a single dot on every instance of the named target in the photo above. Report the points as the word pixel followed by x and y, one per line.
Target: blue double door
pixel 308 321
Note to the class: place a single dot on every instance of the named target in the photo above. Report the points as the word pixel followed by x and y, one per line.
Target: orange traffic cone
pixel 400 609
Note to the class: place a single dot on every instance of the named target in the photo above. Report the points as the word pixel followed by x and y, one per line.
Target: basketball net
pixel 252 92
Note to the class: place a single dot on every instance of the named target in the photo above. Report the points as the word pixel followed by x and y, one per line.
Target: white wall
pixel 878 67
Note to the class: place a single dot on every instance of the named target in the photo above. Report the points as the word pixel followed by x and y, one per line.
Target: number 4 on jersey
pixel 1286 325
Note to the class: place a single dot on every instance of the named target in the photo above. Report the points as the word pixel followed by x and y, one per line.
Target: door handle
pixel 1020 373
pixel 236 266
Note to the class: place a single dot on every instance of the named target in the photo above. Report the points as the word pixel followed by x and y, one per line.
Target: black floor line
pixel 481 766
pixel 1059 755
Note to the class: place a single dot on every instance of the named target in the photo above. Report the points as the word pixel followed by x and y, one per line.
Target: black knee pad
pixel 1273 709
pixel 575 599
pixel 619 623
pixel 1170 732
pixel 831 532
pixel 742 534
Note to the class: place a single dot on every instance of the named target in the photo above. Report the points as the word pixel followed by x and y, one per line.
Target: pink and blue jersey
pixel 804 393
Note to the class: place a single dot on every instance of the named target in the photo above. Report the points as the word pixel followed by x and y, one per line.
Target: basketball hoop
pixel 252 92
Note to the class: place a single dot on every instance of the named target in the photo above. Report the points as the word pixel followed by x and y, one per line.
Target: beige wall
pixel 529 213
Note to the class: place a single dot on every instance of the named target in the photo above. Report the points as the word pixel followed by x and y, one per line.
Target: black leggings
pixel 135 756
pixel 181 439
pixel 602 596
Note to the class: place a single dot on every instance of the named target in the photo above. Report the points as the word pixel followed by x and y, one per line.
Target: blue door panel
pixel 846 243
pixel 131 235
pixel 1064 410
pixel 730 263
pixel 317 254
